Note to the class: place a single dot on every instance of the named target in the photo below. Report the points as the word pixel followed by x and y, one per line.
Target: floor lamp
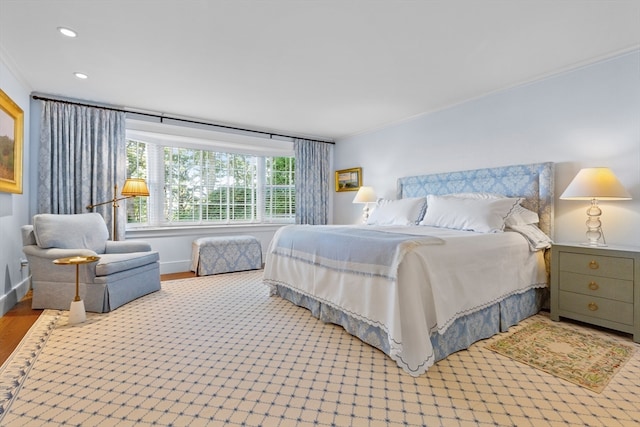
pixel 133 187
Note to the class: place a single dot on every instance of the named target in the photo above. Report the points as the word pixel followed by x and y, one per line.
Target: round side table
pixel 77 313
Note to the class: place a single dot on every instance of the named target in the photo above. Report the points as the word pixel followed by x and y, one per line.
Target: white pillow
pixel 480 215
pixel 397 212
pixel 519 215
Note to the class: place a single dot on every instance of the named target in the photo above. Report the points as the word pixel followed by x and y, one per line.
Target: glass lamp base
pixel 365 213
pixel 595 236
pixel 594 245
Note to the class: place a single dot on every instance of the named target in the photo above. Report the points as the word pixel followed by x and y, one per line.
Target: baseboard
pixel 175 267
pixel 9 300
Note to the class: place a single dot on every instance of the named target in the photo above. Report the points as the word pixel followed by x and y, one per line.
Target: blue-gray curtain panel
pixel 312 181
pixel 82 156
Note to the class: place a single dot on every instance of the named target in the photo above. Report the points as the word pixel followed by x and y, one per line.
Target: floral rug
pixel 578 357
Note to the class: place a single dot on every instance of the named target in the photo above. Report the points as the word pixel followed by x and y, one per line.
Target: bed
pixel 419 288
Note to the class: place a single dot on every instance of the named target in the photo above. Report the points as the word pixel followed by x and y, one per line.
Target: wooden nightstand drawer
pixel 597 265
pixel 601 308
pixel 604 287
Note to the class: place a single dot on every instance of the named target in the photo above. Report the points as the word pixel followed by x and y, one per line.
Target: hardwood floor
pixel 176 276
pixel 15 324
pixel 17 321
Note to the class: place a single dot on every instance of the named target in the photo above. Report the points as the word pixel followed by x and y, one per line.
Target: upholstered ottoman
pixel 213 255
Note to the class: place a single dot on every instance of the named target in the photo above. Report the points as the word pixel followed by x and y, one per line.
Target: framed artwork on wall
pixel 348 179
pixel 11 145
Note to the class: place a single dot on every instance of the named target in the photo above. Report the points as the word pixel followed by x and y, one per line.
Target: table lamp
pixel 133 187
pixel 595 184
pixel 365 195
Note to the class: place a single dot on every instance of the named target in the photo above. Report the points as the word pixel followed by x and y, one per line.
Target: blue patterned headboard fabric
pixel 534 182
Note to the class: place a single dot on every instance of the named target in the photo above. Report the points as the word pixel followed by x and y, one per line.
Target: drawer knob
pixel 593 264
pixel 593 306
pixel 593 286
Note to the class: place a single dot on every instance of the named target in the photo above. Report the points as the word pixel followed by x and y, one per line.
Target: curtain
pixel 312 181
pixel 82 157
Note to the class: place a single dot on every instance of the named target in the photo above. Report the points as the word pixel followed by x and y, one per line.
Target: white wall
pixel 14 208
pixel 583 118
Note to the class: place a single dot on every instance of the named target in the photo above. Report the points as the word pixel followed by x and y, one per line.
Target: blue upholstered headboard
pixel 534 182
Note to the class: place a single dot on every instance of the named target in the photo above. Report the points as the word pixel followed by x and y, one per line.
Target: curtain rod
pixel 162 117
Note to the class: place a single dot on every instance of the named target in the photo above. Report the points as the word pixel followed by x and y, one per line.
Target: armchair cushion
pixel 51 254
pixel 126 246
pixel 114 263
pixel 81 231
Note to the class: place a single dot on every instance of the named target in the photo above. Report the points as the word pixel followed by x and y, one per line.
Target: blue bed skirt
pixel 460 335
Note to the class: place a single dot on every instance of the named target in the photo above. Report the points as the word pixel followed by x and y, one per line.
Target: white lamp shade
pixel 365 195
pixel 595 183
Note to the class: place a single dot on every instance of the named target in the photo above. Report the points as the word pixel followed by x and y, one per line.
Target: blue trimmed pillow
pixel 519 215
pixel 398 212
pixel 483 215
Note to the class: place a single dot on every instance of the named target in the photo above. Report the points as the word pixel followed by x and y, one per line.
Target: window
pixel 279 194
pixel 196 186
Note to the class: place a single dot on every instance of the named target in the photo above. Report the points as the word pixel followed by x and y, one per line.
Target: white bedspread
pixel 436 284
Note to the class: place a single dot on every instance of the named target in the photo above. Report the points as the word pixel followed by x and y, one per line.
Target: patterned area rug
pixel 219 351
pixel 580 358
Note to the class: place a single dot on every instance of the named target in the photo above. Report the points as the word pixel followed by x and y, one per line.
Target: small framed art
pixel 348 179
pixel 11 133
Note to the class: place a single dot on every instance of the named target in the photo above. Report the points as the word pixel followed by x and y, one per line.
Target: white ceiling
pixel 325 69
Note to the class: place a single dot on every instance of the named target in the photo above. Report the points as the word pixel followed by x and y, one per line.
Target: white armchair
pixel 126 270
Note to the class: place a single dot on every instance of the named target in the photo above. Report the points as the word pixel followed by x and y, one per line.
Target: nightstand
pixel 597 285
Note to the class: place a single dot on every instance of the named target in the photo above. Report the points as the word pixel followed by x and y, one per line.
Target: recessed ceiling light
pixel 67 32
pixel 82 76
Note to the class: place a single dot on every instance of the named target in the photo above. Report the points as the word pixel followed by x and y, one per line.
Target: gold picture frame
pixel 11 145
pixel 348 179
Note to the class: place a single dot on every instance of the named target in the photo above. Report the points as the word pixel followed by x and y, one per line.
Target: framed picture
pixel 11 133
pixel 348 179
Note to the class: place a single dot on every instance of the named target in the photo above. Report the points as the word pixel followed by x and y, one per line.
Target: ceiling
pixel 325 69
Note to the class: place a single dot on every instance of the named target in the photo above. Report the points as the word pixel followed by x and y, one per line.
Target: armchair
pixel 126 270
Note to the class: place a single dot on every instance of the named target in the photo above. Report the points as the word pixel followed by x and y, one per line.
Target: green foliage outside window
pixel 213 187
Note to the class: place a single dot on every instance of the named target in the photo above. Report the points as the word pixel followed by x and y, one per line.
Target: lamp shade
pixel 595 183
pixel 135 187
pixel 365 195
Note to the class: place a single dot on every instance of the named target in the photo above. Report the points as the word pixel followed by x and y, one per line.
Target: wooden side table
pixel 597 285
pixel 77 313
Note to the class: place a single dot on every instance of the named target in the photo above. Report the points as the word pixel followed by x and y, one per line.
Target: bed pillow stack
pixel 479 212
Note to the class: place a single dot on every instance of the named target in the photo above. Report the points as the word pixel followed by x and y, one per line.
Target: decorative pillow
pixel 519 215
pixel 480 215
pixel 398 212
